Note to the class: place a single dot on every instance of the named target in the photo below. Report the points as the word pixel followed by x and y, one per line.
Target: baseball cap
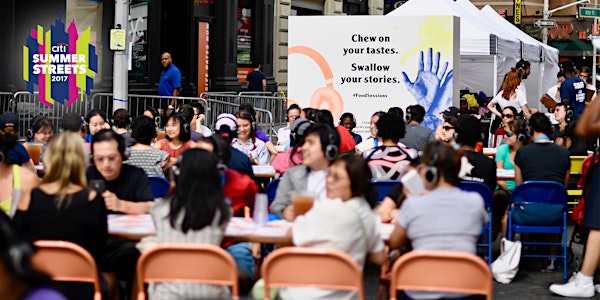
pixel 9 119
pixel 226 120
pixel 451 112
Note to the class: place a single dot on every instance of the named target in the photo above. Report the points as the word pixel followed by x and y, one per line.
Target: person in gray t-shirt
pixel 417 136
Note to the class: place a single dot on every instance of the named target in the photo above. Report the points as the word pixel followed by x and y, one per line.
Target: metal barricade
pixel 136 104
pixel 27 106
pixel 6 102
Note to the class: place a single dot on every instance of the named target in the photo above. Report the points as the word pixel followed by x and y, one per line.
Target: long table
pixel 135 227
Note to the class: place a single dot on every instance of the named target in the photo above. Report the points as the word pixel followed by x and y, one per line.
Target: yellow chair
pixel 441 271
pixel 575 194
pixel 66 261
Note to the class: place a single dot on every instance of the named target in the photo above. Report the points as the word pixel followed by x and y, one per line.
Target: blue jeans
pixel 243 258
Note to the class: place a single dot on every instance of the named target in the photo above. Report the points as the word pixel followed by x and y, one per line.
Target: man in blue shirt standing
pixel 170 81
pixel 256 80
pixel 572 90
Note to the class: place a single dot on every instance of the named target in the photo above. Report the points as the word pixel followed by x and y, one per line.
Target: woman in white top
pixel 247 142
pixel 195 213
pixel 345 221
pixel 509 95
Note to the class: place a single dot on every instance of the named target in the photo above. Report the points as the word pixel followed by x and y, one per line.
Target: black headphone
pixel 232 131
pixel 299 130
pixel 408 116
pixel 331 150
pixel 36 124
pixel 431 171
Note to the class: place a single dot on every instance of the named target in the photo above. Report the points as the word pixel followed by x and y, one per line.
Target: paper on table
pixel 263 169
pixel 505 173
pixel 131 224
pixel 242 226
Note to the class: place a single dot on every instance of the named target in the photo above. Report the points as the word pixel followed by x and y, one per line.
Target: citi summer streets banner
pixel 59 62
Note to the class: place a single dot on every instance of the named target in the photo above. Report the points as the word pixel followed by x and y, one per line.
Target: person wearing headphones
pixel 444 217
pixel 142 155
pixel 292 156
pixel 389 161
pixel 18 278
pixel 483 168
pixel 16 181
pixel 515 136
pixel 126 190
pixel 226 128
pixel 196 212
pixel 177 137
pixel 96 120
pixel 564 131
pixel 63 207
pixel 247 141
pixel 348 121
pixel 122 120
pixel 283 134
pixel 345 222
pixel 321 146
pixel 417 135
pixel 41 131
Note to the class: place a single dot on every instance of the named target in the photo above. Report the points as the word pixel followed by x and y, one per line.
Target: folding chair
pixel 271 189
pixel 312 267
pixel 383 187
pixel 548 195
pixel 190 263
pixel 66 261
pixel 441 271
pixel 486 194
pixel 160 186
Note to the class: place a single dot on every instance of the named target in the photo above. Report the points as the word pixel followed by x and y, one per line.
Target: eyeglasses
pixel 448 127
pixel 336 177
pixel 509 134
pixel 510 116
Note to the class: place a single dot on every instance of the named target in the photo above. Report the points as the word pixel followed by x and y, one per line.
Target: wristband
pixel 171 107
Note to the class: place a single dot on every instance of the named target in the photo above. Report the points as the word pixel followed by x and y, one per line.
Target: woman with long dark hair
pixel 196 212
pixel 246 140
pixel 177 137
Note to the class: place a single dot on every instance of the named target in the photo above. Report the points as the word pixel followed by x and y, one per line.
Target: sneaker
pixel 597 288
pixel 574 288
pixel 553 266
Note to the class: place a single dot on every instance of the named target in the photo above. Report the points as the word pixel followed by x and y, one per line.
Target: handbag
pixel 506 266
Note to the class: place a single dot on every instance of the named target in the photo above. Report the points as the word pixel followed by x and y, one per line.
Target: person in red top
pixel 347 142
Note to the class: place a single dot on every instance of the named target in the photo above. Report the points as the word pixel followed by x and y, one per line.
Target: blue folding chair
pixel 160 186
pixel 485 193
pixel 540 207
pixel 271 189
pixel 383 187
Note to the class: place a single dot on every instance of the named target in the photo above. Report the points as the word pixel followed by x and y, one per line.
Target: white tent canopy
pixel 485 51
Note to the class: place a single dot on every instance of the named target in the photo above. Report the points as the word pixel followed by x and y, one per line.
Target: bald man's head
pixel 165 59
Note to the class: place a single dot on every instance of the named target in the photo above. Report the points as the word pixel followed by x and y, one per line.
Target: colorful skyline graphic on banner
pixel 60 63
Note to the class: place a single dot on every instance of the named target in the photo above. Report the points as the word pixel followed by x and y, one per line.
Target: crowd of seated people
pixel 313 154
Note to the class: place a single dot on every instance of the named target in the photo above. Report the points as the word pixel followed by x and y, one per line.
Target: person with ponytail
pixel 345 222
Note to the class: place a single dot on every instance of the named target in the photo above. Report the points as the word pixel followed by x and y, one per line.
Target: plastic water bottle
pixel 261 210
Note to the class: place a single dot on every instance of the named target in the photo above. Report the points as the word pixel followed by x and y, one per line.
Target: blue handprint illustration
pixel 432 88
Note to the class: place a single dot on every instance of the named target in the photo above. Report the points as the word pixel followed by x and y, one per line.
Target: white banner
pixel 364 64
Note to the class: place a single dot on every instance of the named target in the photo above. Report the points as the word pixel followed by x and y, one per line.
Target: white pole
pixel 120 75
pixel 545 29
